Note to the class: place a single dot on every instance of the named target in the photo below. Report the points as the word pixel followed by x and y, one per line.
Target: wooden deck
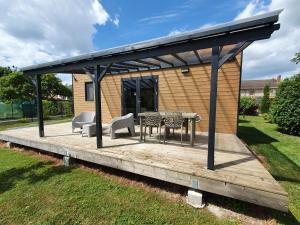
pixel 238 173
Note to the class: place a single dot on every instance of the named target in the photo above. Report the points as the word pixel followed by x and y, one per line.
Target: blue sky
pixel 33 32
pixel 142 20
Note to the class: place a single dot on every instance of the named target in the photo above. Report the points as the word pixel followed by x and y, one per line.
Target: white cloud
pixel 116 20
pixel 271 57
pixel 159 19
pixel 175 32
pixel 36 31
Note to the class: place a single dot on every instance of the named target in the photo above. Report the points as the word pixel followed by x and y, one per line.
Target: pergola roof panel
pixel 171 50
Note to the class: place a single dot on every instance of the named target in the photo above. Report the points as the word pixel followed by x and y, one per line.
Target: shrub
pixel 248 106
pixel 68 108
pixel 268 117
pixel 46 108
pixel 286 106
pixel 24 120
pixel 265 101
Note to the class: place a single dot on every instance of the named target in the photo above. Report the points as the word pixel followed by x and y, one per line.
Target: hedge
pixel 286 106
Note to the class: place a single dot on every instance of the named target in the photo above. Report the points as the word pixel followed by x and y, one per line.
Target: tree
pixel 286 106
pixel 296 59
pixel 15 86
pixel 53 86
pixel 4 71
pixel 265 101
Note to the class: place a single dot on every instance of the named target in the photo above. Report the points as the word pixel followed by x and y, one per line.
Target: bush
pixel 46 108
pixel 286 106
pixel 265 101
pixel 68 108
pixel 248 106
pixel 268 117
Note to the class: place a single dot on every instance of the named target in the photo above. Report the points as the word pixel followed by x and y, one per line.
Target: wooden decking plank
pixel 247 179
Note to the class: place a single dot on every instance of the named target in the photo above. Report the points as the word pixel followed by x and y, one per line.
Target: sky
pixel 35 31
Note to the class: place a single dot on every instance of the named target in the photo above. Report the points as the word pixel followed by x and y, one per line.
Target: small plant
pixel 286 106
pixel 268 117
pixel 248 106
pixel 24 120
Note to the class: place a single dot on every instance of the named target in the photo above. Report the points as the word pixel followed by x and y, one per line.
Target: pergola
pixel 215 45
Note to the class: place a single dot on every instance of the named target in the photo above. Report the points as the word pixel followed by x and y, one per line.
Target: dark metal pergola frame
pixel 238 34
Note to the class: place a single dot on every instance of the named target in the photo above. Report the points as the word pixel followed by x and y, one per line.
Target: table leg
pixel 167 131
pixel 193 132
pixel 141 128
pixel 186 129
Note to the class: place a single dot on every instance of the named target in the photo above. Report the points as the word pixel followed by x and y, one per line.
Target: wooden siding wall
pixel 177 92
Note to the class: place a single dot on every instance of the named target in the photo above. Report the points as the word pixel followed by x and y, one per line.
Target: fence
pixel 17 110
pixel 28 109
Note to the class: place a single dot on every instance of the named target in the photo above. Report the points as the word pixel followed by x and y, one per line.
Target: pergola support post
pixel 39 105
pixel 98 76
pixel 213 107
pixel 98 110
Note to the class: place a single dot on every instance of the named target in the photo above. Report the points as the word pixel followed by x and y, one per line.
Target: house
pixel 167 89
pixel 196 72
pixel 255 88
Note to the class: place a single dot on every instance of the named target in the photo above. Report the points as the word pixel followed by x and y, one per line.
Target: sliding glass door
pixel 139 94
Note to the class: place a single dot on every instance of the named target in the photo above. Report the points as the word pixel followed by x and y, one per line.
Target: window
pixel 251 92
pixel 89 91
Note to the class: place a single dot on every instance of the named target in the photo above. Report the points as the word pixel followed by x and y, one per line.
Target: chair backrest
pixel 173 119
pixel 127 116
pixel 152 119
pixel 87 117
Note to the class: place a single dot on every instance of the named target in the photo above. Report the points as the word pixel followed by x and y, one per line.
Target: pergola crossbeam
pixel 179 58
pixel 132 65
pixel 198 56
pixel 232 53
pixel 163 60
pixel 119 66
pixel 148 63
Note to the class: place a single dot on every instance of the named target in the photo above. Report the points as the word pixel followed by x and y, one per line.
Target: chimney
pixel 278 78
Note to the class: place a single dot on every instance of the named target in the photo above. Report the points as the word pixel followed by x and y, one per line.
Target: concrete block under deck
pixel 238 174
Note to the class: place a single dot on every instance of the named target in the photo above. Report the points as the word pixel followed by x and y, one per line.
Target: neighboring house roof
pixel 260 84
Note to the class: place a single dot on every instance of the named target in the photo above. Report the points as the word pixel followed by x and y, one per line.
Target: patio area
pixel 238 173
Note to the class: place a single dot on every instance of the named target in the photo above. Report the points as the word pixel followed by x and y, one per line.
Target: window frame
pixel 86 91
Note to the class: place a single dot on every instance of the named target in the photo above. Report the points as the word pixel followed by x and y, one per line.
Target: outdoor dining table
pixel 189 116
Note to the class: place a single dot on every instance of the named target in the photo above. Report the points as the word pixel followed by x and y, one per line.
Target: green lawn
pixel 28 123
pixel 34 190
pixel 282 156
pixel 38 191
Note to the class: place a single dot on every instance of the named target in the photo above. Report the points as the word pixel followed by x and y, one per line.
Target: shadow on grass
pixel 37 172
pixel 282 168
pixel 251 210
pixel 243 121
pixel 253 136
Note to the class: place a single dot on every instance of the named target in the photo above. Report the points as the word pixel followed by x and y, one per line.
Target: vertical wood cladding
pixel 177 92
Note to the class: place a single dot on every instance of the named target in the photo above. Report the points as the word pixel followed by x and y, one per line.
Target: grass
pixel 39 191
pixel 34 190
pixel 280 153
pixel 28 123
